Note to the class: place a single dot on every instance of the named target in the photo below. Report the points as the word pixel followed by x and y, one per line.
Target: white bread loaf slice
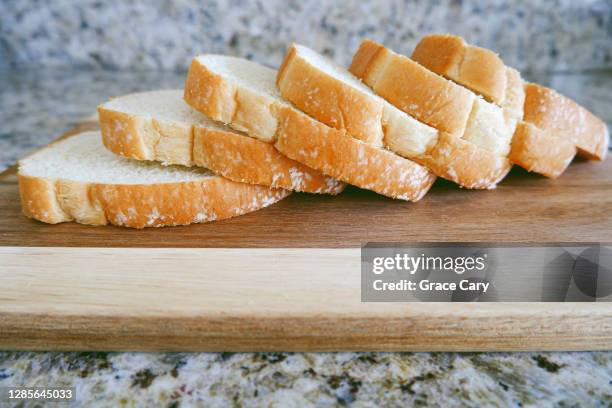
pixel 160 126
pixel 433 99
pixel 331 94
pixel 482 70
pixel 243 95
pixel 77 179
pixel 550 118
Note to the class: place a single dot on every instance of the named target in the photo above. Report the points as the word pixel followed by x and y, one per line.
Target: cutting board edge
pixel 324 335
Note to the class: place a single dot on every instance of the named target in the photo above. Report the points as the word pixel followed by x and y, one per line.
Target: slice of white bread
pixel 484 72
pixel 160 126
pixel 558 121
pixel 331 94
pixel 77 179
pixel 433 99
pixel 243 95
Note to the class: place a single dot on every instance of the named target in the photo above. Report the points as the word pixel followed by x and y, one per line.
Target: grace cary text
pixel 428 286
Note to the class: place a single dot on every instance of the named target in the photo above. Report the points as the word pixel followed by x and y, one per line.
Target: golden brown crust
pixel 227 153
pixel 556 116
pixel 476 68
pixel 432 99
pixel 223 100
pixel 39 200
pixel 365 56
pixel 209 93
pixel 535 150
pixel 465 163
pixel 138 206
pixel 441 54
pixel 348 159
pixel 121 135
pixel 561 116
pixel 330 100
pixel 232 155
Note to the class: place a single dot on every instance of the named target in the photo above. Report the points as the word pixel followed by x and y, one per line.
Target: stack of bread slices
pixel 241 136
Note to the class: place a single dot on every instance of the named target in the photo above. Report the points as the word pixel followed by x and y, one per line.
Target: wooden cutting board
pixel 288 277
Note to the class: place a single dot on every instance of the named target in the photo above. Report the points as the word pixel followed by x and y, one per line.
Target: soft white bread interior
pixel 431 98
pixel 558 121
pixel 77 179
pixel 331 94
pixel 160 126
pixel 243 94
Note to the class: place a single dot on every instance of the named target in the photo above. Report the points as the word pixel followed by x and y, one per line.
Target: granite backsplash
pixel 550 36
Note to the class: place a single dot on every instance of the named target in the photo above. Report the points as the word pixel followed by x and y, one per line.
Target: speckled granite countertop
pixel 37 106
pixel 319 379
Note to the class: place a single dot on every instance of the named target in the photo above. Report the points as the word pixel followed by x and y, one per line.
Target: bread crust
pixel 534 150
pixel 555 115
pixel 230 154
pixel 474 154
pixel 561 116
pixel 465 163
pixel 476 68
pixel 432 99
pixel 514 99
pixel 53 201
pixel 225 101
pixel 346 158
pixel 330 100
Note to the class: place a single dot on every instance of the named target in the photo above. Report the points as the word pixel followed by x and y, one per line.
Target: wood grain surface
pixel 257 300
pixel 288 277
pixel 524 208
